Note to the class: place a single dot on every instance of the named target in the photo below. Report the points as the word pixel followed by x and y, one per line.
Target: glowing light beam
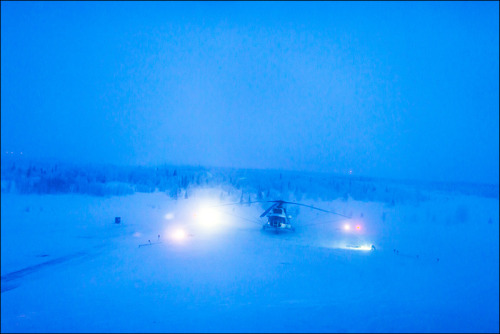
pixel 208 217
pixel 360 248
pixel 179 234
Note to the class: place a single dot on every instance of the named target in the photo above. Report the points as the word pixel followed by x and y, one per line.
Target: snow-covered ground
pixel 66 267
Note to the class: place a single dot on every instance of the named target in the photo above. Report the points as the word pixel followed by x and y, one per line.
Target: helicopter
pixel 278 220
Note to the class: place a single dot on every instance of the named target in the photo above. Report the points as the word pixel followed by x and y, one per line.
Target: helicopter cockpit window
pixel 276 221
pixel 277 211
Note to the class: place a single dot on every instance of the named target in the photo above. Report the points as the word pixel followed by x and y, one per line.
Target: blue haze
pixel 400 90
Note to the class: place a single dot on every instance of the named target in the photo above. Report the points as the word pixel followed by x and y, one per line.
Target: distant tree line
pixel 245 184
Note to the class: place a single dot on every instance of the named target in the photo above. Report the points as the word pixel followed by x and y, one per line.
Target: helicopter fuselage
pixel 278 220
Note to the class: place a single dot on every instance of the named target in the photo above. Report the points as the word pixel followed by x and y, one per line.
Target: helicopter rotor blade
pixel 315 208
pixel 239 203
pixel 278 202
pixel 269 209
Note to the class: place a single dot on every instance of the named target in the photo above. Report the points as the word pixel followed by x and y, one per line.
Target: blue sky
pixel 401 90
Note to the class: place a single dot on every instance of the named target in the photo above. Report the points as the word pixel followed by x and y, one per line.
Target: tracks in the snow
pixel 13 280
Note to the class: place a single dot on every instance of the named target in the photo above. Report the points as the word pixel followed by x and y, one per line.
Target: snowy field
pixel 66 267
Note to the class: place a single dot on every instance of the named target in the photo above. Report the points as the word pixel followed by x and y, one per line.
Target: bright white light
pixel 208 217
pixel 361 248
pixel 179 234
pixel 346 227
pixel 169 216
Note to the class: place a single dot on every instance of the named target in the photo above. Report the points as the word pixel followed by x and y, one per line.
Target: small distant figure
pixel 394 250
pixel 149 241
pixel 397 252
pixel 158 237
pixel 117 220
pixel 373 247
pixel 437 259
